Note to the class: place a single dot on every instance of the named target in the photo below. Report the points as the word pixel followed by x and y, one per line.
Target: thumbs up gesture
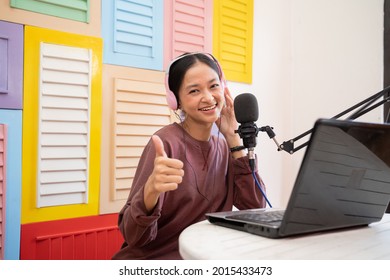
pixel 167 174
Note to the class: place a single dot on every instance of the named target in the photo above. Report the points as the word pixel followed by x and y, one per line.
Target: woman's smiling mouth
pixel 205 109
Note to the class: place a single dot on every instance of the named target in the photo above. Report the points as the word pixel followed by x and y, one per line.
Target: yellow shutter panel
pixel 233 38
pixel 61 125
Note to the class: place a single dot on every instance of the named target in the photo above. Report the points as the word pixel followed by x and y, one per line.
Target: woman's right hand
pixel 167 174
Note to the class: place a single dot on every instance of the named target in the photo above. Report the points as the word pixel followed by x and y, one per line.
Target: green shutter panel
pixel 77 10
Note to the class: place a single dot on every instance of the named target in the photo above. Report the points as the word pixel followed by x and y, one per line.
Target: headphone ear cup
pixel 171 98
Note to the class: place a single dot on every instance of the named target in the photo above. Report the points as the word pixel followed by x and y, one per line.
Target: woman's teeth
pixel 208 108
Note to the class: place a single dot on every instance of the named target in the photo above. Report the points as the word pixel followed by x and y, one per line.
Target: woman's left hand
pixel 227 122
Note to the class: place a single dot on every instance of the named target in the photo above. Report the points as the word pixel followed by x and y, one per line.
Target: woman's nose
pixel 208 96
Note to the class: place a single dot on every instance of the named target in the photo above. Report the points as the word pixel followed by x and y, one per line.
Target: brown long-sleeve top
pixel 213 181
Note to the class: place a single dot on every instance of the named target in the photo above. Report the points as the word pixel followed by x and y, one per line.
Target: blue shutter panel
pixel 133 33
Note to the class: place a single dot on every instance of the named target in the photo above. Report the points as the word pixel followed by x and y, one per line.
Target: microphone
pixel 247 112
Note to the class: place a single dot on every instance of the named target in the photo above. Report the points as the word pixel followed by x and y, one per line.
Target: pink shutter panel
pixel 3 138
pixel 188 27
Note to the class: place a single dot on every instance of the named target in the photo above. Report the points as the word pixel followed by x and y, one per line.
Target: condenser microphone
pixel 247 113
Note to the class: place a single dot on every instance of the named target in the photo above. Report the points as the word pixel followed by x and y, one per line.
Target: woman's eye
pixel 193 91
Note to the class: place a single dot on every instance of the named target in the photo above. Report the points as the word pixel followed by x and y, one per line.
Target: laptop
pixel 343 182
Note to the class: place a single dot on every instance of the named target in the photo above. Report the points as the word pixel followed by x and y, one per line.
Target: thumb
pixel 159 146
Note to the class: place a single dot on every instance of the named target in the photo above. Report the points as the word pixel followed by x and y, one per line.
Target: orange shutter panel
pixel 134 107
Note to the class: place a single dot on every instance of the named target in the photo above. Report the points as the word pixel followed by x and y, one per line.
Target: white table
pixel 205 241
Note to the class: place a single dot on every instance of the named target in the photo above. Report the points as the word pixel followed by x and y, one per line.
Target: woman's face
pixel 201 94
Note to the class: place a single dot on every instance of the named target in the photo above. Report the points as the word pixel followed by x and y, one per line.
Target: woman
pixel 185 171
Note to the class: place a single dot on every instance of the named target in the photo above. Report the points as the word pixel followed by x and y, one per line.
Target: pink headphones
pixel 171 98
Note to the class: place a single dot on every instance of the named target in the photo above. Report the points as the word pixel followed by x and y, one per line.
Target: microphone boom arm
pixel 270 133
pixel 288 145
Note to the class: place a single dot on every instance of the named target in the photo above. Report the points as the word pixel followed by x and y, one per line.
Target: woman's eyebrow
pixel 213 80
pixel 191 86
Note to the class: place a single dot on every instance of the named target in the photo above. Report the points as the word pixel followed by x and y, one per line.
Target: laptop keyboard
pixel 259 217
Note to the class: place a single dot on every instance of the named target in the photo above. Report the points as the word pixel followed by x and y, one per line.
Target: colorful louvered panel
pixel 11 65
pixel 233 38
pixel 12 119
pixel 64 127
pixel 188 27
pixel 61 125
pixel 87 238
pixel 71 9
pixel 3 149
pixel 140 110
pixel 133 33
pixel 134 106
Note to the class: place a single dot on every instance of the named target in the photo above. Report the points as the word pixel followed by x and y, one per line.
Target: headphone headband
pixel 171 98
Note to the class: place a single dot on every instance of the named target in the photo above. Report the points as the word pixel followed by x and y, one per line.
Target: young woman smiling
pixel 186 170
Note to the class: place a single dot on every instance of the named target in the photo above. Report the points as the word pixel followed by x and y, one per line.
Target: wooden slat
pixel 64 125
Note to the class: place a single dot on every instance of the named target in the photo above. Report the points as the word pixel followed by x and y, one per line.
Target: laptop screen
pixel 344 178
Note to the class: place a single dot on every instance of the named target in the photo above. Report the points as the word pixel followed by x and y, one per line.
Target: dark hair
pixel 180 67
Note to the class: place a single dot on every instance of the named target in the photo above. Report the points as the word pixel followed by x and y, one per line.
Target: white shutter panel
pixel 64 109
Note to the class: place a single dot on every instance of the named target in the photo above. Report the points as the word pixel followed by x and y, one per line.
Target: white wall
pixel 311 59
